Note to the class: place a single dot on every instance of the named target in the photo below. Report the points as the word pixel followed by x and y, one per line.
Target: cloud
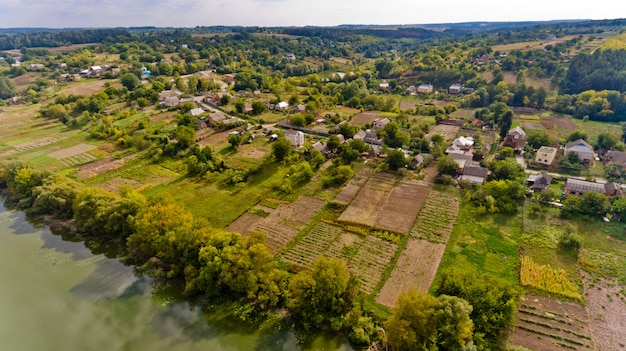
pixel 189 13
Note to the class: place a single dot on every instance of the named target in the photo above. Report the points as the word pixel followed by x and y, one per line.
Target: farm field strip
pixel 436 218
pixel 367 258
pixel 78 159
pixel 416 269
pixel 446 131
pixel 363 210
pixel 72 151
pixel 544 323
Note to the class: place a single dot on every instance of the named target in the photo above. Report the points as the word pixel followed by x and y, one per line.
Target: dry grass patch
pixel 72 151
pixel 416 269
pixel 85 88
pixel 446 131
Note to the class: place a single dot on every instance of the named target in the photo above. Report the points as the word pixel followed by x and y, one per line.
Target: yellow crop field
pixel 615 43
pixel 548 279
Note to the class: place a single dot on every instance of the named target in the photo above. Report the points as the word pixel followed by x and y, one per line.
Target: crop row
pixel 436 219
pixel 550 326
pixel 554 336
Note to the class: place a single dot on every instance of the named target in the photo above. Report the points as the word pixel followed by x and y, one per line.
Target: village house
pixel 516 139
pixel 171 101
pixel 618 158
pixel 579 187
pixel 425 89
pixel 460 145
pixel 281 106
pixel 476 175
pixel 299 108
pixel 35 67
pixel 581 148
pixel 462 161
pixel 229 77
pixel 295 137
pixel 321 148
pixel 384 86
pixel 196 112
pixel 539 182
pixel 455 89
pixel 545 155
pixel 412 90
pixel 291 57
pixel 380 123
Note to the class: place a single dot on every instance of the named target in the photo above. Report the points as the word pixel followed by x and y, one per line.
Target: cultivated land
pixel 396 231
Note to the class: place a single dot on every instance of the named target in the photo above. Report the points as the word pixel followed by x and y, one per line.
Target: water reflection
pixel 103 303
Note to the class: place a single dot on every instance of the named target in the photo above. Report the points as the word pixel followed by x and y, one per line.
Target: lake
pixel 57 295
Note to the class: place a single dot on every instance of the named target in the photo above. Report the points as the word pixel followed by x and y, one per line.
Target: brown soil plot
pixel 88 88
pixel 349 191
pixel 398 212
pixel 244 223
pixel 607 313
pixel 532 125
pixel 364 118
pixel 416 269
pixel 559 123
pixel 99 167
pixel 365 207
pixel 545 323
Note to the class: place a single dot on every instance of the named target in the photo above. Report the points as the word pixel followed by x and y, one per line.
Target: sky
pixel 191 13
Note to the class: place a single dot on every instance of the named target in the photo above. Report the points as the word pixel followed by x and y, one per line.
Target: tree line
pixel 166 242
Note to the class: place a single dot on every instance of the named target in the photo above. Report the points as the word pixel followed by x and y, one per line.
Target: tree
pixel 258 107
pixel 504 169
pixel 186 136
pixel 56 195
pixel 130 81
pixel 423 322
pixel 395 160
pixel 494 300
pixel 393 136
pixel 537 140
pixel 619 207
pixel 281 149
pixel 7 88
pixel 333 143
pixel 322 295
pixel 590 203
pixel 447 165
pixel 234 140
pixel 577 135
pixel 606 141
pixel 297 120
pixel 91 207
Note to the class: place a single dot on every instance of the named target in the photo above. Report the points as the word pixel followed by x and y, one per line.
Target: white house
pixel 425 89
pixel 295 137
pixel 545 155
pixel 281 106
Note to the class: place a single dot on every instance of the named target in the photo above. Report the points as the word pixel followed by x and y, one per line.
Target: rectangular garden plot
pixel 436 219
pixel 350 190
pixel 544 323
pixel 399 210
pixel 282 225
pixel 365 207
pixel 72 151
pixel 365 257
pixel 416 269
